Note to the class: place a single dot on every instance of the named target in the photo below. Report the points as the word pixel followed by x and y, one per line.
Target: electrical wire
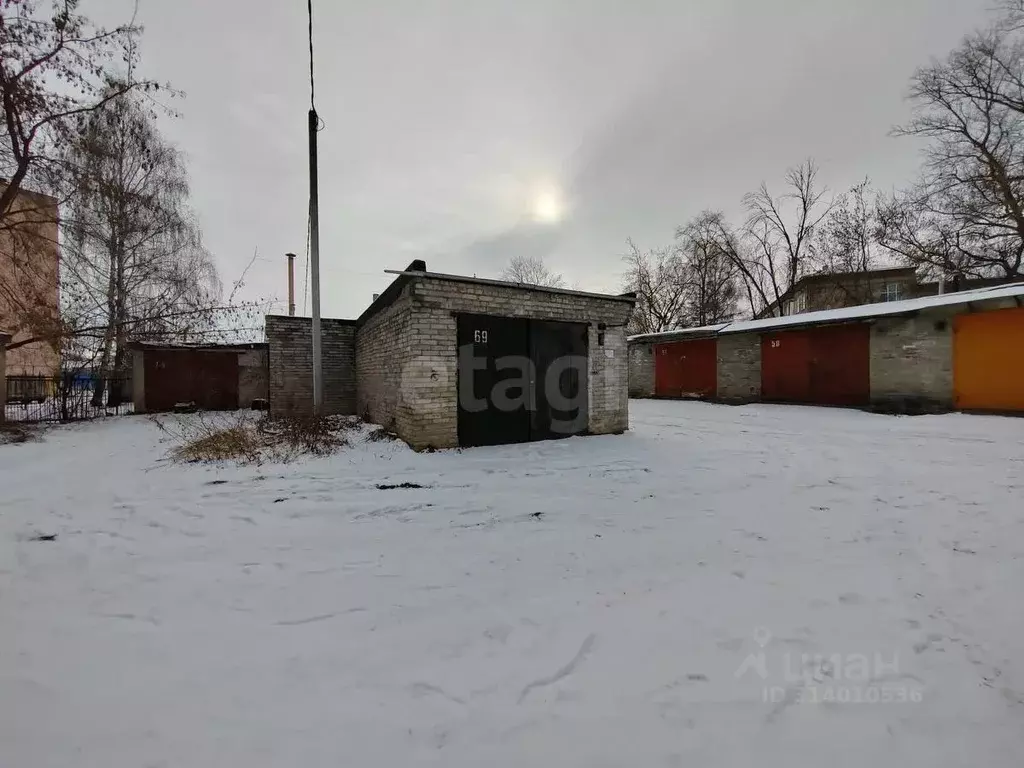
pixel 320 124
pixel 312 86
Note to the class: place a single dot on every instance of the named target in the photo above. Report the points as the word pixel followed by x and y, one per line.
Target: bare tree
pixel 134 262
pixel 970 201
pixel 847 244
pixel 781 232
pixel 1012 15
pixel 531 270
pixel 920 238
pixel 709 267
pixel 845 240
pixel 55 69
pixel 658 277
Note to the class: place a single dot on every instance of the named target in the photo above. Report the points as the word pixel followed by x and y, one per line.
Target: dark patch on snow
pixel 391 487
pixel 536 515
pixel 44 537
pixel 278 501
pixel 218 482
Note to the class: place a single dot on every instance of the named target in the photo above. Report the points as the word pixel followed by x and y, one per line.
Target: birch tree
pixel 56 67
pixel 134 261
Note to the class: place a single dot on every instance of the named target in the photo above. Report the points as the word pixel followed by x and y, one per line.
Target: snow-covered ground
pixel 755 586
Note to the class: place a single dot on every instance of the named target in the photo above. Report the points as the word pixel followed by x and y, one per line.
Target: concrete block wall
pixel 290 357
pixel 425 389
pixel 641 369
pixel 912 357
pixel 383 344
pixel 739 367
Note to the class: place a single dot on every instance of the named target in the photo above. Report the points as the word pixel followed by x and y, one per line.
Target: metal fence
pixel 68 397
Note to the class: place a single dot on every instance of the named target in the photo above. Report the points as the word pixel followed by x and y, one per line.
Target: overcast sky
pixel 452 125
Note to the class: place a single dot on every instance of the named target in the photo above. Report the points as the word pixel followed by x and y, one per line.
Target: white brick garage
pixel 407 372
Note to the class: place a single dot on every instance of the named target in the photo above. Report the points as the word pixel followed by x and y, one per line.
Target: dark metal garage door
pixel 520 380
pixel 558 352
pixel 208 379
pixel 493 388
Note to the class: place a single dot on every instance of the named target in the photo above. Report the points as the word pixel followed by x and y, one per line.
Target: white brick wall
pixel 739 367
pixel 407 354
pixel 290 342
pixel 912 357
pixel 383 343
pixel 641 369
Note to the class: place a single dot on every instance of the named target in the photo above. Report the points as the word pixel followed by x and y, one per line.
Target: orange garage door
pixel 988 360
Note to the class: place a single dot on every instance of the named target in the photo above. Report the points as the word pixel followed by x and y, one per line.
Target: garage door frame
pixel 534 416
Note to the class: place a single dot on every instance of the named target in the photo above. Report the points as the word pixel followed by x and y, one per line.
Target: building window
pixel 800 303
pixel 892 292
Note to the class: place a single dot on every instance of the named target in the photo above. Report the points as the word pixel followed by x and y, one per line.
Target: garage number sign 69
pixel 480 337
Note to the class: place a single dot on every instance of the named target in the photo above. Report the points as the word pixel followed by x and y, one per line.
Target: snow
pixel 882 309
pixel 681 333
pixel 658 611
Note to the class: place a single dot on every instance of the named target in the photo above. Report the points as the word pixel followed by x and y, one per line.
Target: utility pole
pixel 314 232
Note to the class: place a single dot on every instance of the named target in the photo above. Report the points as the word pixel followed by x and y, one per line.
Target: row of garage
pixel 963 351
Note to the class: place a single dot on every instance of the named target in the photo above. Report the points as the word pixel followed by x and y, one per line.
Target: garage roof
pixel 681 334
pixel 860 312
pixel 418 270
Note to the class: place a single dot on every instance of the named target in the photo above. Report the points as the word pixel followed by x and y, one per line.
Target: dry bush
pixel 249 439
pixel 289 438
pixel 381 435
pixel 13 432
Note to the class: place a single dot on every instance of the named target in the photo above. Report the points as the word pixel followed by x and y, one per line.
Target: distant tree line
pixel 962 217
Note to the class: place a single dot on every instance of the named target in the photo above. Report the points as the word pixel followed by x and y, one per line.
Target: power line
pixel 312 80
pixel 312 87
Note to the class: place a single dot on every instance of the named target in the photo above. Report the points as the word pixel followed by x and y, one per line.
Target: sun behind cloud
pixel 548 207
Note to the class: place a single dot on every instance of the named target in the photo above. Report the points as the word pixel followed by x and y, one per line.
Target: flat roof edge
pixel 623 297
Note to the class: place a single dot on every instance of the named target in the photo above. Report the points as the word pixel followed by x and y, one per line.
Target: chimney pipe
pixel 291 284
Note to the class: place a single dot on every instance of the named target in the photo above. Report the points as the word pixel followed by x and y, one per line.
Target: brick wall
pixel 29 282
pixel 912 357
pixel 383 344
pixel 407 356
pixel 641 369
pixel 609 382
pixel 253 377
pixel 739 367
pixel 290 357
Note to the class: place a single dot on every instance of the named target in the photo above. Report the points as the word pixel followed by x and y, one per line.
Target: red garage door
pixel 824 366
pixel 786 367
pixel 686 369
pixel 208 379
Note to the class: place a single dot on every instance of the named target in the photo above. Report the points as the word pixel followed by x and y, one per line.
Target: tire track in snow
pixel 564 672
